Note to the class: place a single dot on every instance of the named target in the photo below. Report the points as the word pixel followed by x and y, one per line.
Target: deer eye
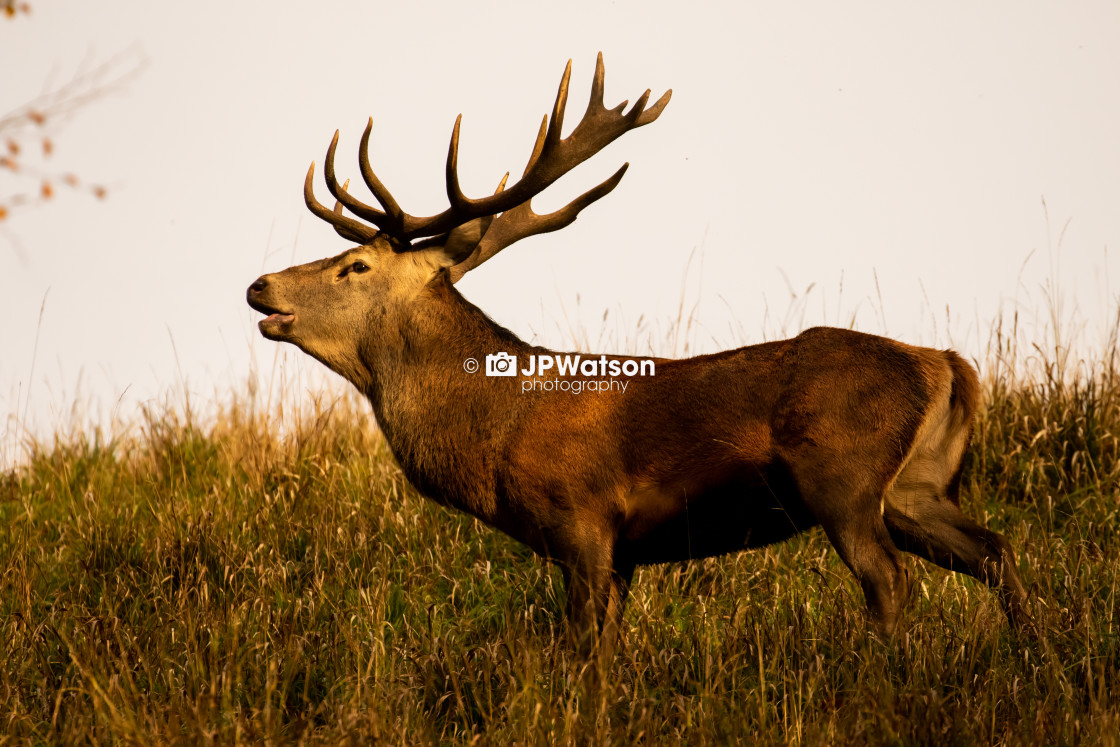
pixel 359 267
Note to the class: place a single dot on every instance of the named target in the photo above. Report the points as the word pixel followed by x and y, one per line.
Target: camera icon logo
pixel 501 364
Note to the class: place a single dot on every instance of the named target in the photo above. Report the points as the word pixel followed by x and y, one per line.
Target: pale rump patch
pixel 929 467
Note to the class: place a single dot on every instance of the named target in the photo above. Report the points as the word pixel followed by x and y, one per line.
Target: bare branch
pixel 27 133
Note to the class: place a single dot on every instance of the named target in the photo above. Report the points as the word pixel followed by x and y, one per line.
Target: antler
pixel 552 157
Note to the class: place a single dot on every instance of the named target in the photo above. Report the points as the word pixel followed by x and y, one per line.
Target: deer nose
pixel 258 286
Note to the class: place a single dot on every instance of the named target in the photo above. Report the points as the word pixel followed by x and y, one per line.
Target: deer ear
pixel 458 243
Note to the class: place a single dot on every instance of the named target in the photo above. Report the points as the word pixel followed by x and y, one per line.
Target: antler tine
pixel 638 109
pixel 392 209
pixel 357 230
pixel 359 208
pixel 339 229
pixel 557 123
pixel 538 146
pixel 459 201
pixel 521 221
pixel 595 101
pixel 654 111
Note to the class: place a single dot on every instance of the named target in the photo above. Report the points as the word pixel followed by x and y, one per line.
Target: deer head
pixel 377 284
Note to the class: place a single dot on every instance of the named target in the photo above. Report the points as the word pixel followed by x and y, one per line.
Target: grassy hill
pixel 209 579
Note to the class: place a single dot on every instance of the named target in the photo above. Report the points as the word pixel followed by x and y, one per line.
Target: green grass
pixel 192 582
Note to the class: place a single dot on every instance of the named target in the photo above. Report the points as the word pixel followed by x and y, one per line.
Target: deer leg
pixel 865 546
pixel 620 579
pixel 589 588
pixel 597 591
pixel 935 529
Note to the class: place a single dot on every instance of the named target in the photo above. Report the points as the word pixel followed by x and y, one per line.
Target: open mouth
pixel 277 317
pixel 277 325
pixel 275 322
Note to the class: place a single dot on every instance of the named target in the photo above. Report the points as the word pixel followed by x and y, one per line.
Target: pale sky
pixel 840 145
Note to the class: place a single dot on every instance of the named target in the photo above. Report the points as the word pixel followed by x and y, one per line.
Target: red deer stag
pixel 860 434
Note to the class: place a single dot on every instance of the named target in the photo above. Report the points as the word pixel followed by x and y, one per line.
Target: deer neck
pixel 443 423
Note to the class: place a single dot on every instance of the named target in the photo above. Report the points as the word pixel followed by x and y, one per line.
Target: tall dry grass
pixel 255 576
